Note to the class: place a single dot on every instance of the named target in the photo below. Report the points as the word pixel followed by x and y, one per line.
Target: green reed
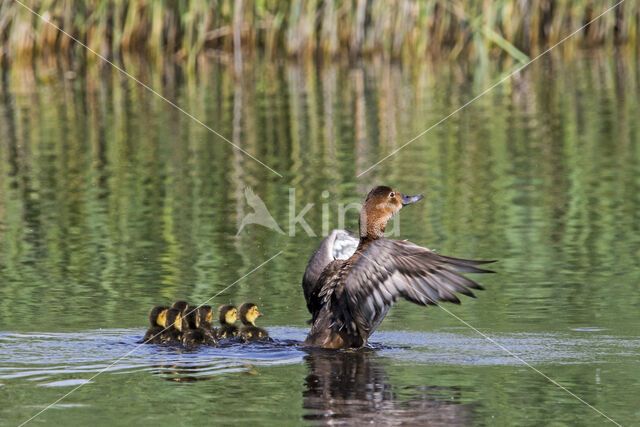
pixel 393 28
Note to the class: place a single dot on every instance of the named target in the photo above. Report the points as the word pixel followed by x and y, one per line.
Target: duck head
pixel 249 313
pixel 173 319
pixel 157 315
pixel 205 315
pixel 380 205
pixel 227 314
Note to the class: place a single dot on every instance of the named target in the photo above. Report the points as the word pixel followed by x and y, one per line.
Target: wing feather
pixel 389 269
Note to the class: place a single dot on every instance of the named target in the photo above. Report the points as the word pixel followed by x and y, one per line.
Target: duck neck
pixel 369 231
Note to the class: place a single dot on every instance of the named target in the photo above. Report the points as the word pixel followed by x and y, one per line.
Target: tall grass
pixel 393 28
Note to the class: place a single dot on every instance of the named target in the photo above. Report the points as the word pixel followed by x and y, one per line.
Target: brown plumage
pixel 348 296
pixel 205 315
pixel 157 317
pixel 227 316
pixel 189 314
pixel 173 324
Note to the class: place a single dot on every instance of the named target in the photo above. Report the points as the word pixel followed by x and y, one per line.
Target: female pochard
pixel 351 282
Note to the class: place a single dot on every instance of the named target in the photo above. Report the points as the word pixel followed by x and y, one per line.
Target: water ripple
pixel 117 352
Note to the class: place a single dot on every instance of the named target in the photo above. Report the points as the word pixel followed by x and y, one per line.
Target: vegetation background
pixel 185 29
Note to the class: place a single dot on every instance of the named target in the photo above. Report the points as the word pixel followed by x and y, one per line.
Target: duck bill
pixel 407 200
pixel 260 314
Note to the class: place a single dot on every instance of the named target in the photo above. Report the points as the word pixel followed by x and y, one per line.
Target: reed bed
pixel 327 28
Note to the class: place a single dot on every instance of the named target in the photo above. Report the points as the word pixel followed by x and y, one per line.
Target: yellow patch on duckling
pixel 252 315
pixel 162 318
pixel 178 323
pixel 231 316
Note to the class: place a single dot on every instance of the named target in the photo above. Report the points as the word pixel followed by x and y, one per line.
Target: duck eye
pixel 392 195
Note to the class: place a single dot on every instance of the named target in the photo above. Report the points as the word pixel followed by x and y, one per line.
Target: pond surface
pixel 112 200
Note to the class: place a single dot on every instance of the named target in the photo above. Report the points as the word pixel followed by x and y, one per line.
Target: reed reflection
pixel 111 197
pixel 352 387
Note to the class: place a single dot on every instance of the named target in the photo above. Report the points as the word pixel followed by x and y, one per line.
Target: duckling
pixel 249 331
pixel 188 314
pixel 205 313
pixel 198 334
pixel 181 306
pixel 227 316
pixel 157 317
pixel 348 292
pixel 173 326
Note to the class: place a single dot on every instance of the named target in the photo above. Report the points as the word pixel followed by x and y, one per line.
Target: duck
pixel 189 314
pixel 173 327
pixel 198 333
pixel 157 317
pixel 249 331
pixel 183 307
pixel 348 293
pixel 227 316
pixel 205 313
pixel 180 305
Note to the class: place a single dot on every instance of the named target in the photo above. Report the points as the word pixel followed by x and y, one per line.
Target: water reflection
pixel 111 201
pixel 352 387
pixel 115 200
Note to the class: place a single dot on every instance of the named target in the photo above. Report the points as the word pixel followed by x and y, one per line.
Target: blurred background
pixel 410 30
pixel 112 200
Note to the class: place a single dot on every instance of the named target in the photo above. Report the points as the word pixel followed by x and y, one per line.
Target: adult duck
pixel 351 282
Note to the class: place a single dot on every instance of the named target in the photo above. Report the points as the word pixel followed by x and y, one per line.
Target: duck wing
pixel 339 244
pixel 392 269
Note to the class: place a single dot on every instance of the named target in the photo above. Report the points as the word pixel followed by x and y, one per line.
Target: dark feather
pixel 388 269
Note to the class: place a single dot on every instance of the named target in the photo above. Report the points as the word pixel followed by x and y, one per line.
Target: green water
pixel 112 200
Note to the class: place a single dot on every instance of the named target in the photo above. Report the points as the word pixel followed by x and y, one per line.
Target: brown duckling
pixel 198 333
pixel 249 331
pixel 227 316
pixel 157 318
pixel 205 317
pixel 349 295
pixel 184 308
pixel 189 313
pixel 173 325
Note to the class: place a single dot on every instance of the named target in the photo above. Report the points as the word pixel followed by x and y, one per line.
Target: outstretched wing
pixel 339 244
pixel 392 269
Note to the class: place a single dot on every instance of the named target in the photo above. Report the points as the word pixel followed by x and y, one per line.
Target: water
pixel 112 201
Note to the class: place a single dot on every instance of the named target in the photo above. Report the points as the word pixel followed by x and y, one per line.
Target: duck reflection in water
pixel 352 388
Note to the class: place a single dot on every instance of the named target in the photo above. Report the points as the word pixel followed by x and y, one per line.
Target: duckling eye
pixel 392 195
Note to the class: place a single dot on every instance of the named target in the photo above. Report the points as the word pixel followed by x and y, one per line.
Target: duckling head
pixel 249 313
pixel 227 314
pixel 182 306
pixel 173 318
pixel 157 314
pixel 380 205
pixel 205 315
pixel 192 317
